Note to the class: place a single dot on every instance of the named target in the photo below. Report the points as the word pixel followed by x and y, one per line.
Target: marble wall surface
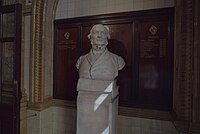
pixel 59 120
pixel 54 120
pixel 77 8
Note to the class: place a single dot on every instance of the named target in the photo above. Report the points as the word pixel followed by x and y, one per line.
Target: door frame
pixel 16 39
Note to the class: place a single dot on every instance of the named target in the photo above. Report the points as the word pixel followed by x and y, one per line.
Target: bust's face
pixel 99 37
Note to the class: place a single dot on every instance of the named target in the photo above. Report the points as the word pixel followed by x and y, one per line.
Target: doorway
pixel 10 55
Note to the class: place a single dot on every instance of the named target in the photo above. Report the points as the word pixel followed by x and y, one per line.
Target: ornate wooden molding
pixel 196 97
pixel 194 128
pixel 187 61
pixel 145 113
pixel 39 106
pixel 23 101
pixel 27 9
pixel 23 113
pixel 187 94
pixel 41 50
pixel 184 44
pixel 47 55
pixel 49 102
pixel 36 51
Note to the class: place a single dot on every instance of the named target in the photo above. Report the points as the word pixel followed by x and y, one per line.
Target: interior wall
pixel 77 8
pixel 55 120
pixel 65 9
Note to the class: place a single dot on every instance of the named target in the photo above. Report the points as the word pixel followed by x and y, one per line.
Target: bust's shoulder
pixel 80 60
pixel 118 60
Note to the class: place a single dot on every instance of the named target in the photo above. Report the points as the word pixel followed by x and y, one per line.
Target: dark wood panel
pixel 10 57
pixel 155 76
pixel 65 56
pixel 146 80
pixel 6 126
pixel 6 119
pixel 121 43
pixel 86 46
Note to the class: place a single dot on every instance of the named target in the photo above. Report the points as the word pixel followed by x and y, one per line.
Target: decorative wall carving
pixel 36 55
pixel 196 92
pixel 186 60
pixel 186 86
pixel 41 50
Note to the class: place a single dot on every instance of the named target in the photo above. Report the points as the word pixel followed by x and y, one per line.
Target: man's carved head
pixel 99 35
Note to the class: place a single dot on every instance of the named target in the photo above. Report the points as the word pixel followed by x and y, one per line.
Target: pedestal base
pixel 97 110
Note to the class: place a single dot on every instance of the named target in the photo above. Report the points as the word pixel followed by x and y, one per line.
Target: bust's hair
pixel 106 28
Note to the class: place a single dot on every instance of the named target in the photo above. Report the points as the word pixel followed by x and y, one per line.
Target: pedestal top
pixel 97 86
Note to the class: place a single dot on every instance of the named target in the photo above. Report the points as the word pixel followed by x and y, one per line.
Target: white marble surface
pixel 96 103
pixel 60 120
pixel 77 8
pixel 53 120
pixel 99 63
pixel 96 106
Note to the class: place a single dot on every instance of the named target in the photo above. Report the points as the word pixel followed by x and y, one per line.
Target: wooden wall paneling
pixel 124 42
pixel 85 42
pixel 121 43
pixel 155 75
pixel 65 57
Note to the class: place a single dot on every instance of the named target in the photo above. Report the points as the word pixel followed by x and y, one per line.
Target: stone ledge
pixel 126 111
pixel 145 113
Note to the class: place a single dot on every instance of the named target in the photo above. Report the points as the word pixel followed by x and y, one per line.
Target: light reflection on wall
pixel 149 77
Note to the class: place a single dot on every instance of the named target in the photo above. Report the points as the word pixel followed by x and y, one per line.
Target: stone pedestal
pixel 97 106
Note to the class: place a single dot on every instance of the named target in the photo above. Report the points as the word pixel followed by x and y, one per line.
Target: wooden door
pixel 10 40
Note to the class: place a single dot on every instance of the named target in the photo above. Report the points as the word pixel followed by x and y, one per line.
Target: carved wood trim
pixel 145 113
pixel 36 51
pixel 196 97
pixel 27 9
pixel 47 52
pixel 187 94
pixel 184 44
pixel 23 101
pixel 39 25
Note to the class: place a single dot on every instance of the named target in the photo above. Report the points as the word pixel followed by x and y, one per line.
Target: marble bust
pixel 97 98
pixel 99 63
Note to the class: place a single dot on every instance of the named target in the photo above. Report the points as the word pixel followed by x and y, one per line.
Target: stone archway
pixel 41 58
pixel 42 52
